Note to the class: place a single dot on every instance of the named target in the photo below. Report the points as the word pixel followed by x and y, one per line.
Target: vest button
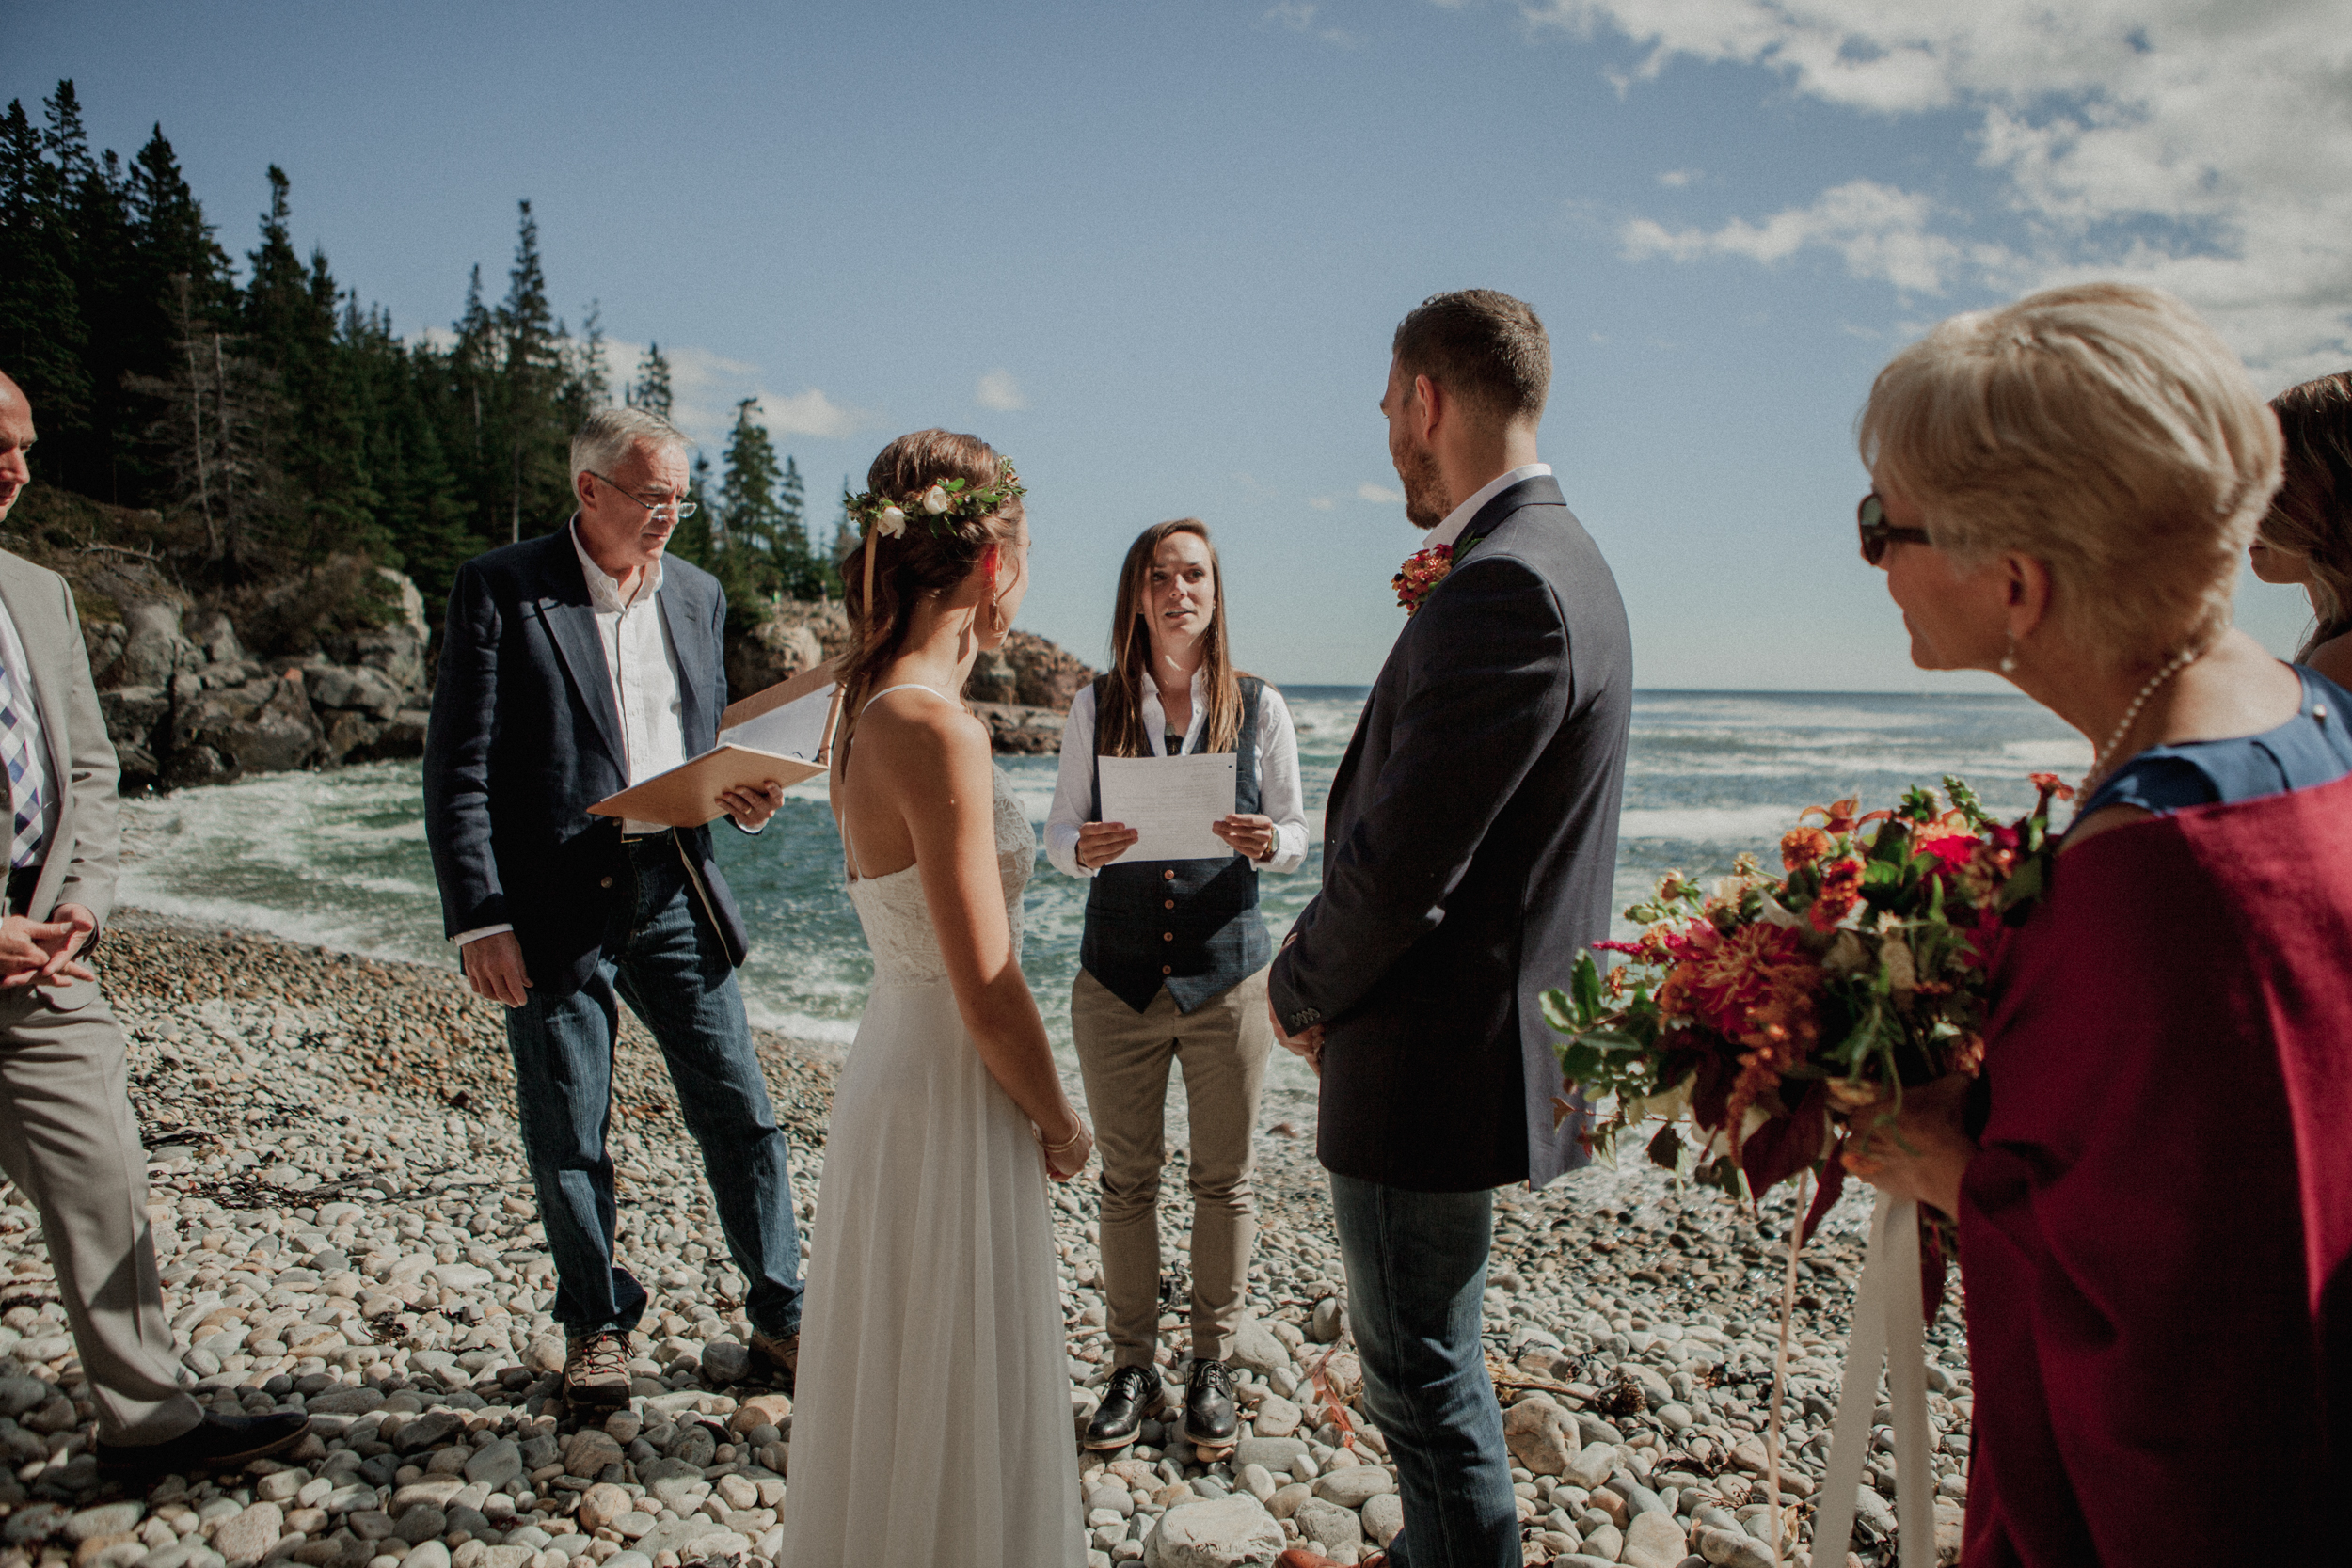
pixel 1168 936
pixel 1169 874
pixel 606 883
pixel 1167 903
pixel 1167 969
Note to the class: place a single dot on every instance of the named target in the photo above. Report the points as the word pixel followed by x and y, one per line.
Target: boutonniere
pixel 1424 570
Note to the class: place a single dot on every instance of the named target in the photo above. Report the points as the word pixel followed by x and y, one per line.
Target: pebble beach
pixel 344 1226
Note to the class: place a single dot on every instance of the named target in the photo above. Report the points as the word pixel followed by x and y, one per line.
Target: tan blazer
pixel 86 847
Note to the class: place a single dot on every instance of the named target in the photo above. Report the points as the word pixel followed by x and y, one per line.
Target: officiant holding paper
pixel 575 665
pixel 1173 960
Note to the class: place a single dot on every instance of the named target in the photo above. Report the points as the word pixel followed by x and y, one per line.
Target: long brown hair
pixel 2312 514
pixel 1119 717
pixel 932 555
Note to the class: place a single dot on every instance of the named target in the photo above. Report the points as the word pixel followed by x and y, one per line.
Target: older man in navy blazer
pixel 1470 844
pixel 573 666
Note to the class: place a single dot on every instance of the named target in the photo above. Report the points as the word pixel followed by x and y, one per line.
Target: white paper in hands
pixel 1171 801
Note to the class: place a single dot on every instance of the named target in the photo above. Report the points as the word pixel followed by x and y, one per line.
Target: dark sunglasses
pixel 1877 532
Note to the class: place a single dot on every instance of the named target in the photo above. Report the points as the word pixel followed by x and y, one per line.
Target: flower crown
pixel 951 500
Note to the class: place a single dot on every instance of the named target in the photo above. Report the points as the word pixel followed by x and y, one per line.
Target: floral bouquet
pixel 1759 1008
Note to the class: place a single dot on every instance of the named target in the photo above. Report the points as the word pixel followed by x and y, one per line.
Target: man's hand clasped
pixel 40 952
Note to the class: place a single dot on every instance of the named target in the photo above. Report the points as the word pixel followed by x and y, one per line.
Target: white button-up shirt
pixel 647 687
pixel 1456 520
pixel 1279 794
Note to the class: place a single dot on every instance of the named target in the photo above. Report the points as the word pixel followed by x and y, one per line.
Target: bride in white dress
pixel 933 1424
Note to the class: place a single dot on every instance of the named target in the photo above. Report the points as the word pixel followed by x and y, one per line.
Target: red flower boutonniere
pixel 1424 570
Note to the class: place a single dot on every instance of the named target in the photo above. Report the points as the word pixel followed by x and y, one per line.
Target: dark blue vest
pixel 1191 926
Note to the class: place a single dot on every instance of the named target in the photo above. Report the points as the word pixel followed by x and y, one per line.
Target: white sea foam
pixel 1743 826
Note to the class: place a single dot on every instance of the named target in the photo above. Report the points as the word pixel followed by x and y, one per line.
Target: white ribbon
pixel 1888 1325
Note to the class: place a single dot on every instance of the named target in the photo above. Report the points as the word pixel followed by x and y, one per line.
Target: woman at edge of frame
pixel 1173 965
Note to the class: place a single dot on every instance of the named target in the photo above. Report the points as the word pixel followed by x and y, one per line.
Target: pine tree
pixel 43 334
pixel 693 541
pixel 651 389
pixel 534 380
pixel 750 516
pixel 750 519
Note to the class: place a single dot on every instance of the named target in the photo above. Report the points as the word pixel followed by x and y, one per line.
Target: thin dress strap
pixel 848 854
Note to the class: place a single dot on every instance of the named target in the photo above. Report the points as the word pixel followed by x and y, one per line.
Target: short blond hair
pixel 2101 429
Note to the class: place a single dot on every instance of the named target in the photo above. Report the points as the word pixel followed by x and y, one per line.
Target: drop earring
pixel 995 618
pixel 2009 657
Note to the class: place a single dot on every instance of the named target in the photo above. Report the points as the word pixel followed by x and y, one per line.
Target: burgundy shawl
pixel 2154 1239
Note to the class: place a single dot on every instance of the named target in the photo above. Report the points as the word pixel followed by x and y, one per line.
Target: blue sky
pixel 1155 253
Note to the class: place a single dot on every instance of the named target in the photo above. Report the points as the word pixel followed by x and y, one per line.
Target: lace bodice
pixel 898 923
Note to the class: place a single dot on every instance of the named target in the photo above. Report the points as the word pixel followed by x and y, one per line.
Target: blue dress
pixel 2312 748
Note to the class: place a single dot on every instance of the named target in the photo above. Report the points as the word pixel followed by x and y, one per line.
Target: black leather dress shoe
pixel 1209 1421
pixel 1134 1392
pixel 215 1443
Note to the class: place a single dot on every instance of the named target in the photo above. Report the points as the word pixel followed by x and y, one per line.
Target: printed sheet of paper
pixel 1171 802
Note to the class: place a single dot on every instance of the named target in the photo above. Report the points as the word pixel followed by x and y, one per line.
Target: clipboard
pixel 784 732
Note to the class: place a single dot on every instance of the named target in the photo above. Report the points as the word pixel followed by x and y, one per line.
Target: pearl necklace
pixel 2179 662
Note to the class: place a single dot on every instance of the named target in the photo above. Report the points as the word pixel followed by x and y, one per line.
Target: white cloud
pixel 1882 232
pixel 1298 16
pixel 2205 147
pixel 812 413
pixel 706 387
pixel 1379 493
pixel 1674 179
pixel 1322 503
pixel 999 392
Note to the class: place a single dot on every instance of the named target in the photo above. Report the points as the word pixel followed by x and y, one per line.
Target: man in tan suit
pixel 66 1136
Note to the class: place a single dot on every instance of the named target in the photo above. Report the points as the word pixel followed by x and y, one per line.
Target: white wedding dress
pixel 933 1424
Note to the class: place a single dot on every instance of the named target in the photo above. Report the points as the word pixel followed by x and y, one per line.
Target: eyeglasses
pixel 679 510
pixel 1877 532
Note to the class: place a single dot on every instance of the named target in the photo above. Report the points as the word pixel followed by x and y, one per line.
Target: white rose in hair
pixel 935 500
pixel 891 524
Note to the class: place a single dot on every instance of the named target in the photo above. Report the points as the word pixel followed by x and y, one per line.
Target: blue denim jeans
pixel 1416 1280
pixel 673 970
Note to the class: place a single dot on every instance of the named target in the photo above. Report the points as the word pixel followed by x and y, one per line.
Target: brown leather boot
pixel 779 1357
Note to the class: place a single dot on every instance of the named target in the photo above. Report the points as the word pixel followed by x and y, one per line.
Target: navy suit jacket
pixel 1469 855
pixel 524 739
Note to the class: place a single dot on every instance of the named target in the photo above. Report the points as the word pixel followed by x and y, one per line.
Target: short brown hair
pixel 1484 348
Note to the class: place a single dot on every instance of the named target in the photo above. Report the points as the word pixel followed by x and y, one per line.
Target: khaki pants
pixel 1222 1047
pixel 68 1139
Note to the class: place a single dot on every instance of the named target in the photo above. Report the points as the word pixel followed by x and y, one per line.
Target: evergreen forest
pixel 276 423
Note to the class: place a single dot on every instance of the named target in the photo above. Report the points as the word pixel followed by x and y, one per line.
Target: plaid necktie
pixel 28 773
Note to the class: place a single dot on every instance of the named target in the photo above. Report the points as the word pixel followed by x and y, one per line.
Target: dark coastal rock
pixel 1018 731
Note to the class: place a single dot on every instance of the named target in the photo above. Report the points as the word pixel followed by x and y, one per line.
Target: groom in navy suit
pixel 1470 843
pixel 573 665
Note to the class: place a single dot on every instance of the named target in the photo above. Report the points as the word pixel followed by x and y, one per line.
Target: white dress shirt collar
pixel 1458 519
pixel 606 588
pixel 1155 712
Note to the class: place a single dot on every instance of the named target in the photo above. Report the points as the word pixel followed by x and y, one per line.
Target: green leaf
pixel 1559 1012
pixel 1588 983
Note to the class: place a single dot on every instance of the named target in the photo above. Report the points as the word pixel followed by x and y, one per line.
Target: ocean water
pixel 338 859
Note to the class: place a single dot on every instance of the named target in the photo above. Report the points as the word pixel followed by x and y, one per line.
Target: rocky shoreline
pixel 344 1226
